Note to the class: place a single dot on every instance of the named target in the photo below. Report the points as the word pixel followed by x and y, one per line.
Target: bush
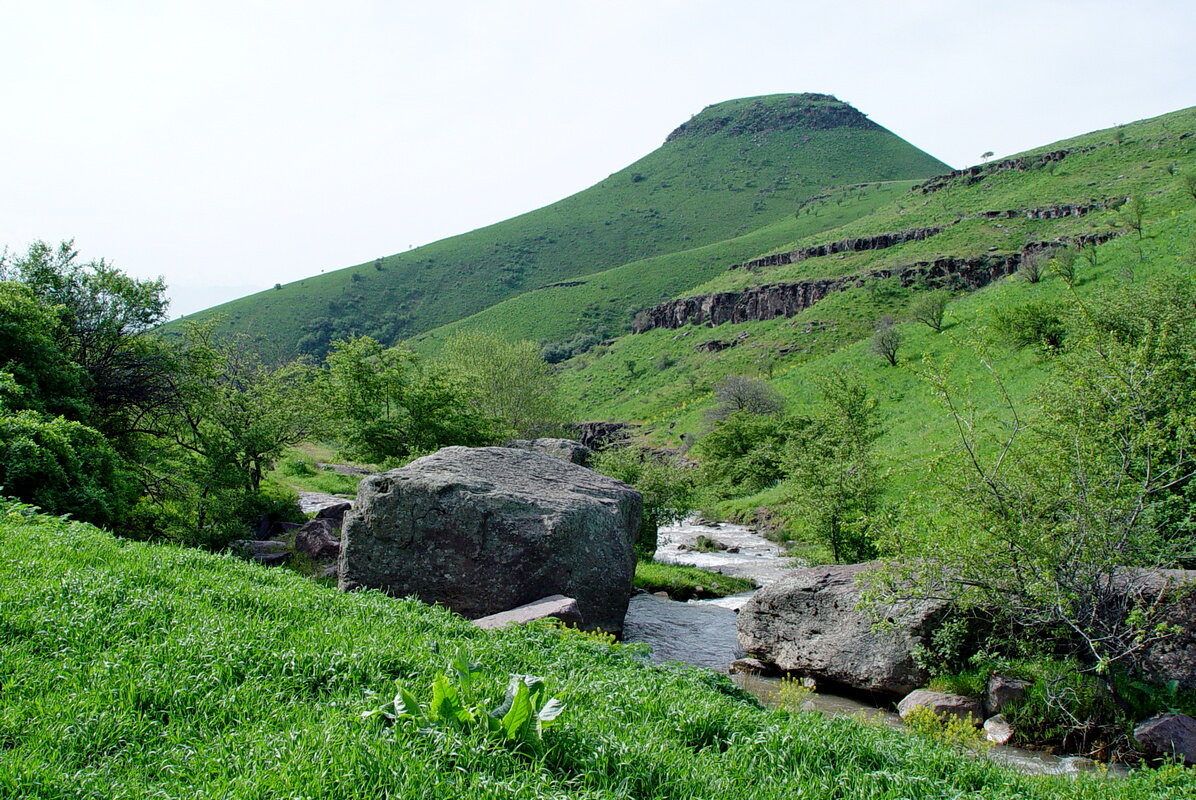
pixel 64 467
pixel 668 488
pixel 745 453
pixel 1038 323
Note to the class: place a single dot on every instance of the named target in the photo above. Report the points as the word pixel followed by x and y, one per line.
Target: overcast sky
pixel 231 145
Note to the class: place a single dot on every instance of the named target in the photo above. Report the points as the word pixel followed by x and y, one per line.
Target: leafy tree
pixel 507 382
pixel 1134 213
pixel 669 489
pixel 1037 323
pixel 387 405
pixel 744 452
pixel 929 307
pixel 43 377
pixel 834 487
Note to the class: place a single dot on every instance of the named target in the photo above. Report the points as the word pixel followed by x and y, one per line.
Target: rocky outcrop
pixel 1171 736
pixel 807 623
pixel 564 449
pixel 980 172
pixel 599 435
pixel 774 300
pixel 878 242
pixel 943 705
pixel 810 111
pixel 1049 212
pixel 483 530
pixel 318 539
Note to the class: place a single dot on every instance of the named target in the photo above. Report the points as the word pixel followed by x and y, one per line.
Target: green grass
pixel 138 671
pixel 298 470
pixel 687 583
pixel 665 381
pixel 712 184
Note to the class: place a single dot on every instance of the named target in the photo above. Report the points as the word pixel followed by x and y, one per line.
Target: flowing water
pixel 703 633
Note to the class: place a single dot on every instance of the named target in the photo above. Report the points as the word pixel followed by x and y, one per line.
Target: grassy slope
pixel 136 671
pixel 694 190
pixel 670 384
pixel 610 298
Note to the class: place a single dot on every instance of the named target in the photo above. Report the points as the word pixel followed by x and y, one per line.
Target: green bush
pixel 1038 323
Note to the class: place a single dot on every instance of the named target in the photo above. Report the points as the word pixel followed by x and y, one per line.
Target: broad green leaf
pixel 444 701
pixel 406 701
pixel 516 720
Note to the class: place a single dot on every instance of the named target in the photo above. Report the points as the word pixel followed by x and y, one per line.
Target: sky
pixel 229 146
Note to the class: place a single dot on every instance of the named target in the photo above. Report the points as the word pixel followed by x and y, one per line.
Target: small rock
pixel 1002 691
pixel 1168 736
pixel 333 571
pixel 335 513
pixel 273 559
pixel 751 666
pixel 665 595
pixel 253 548
pixel 318 540
pixel 998 730
pixel 942 704
pixel 556 606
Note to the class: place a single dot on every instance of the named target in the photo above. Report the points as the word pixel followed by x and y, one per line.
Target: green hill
pixel 734 168
pixel 663 378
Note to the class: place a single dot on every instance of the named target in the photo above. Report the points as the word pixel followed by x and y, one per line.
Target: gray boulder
pixel 564 449
pixel 1003 690
pixel 483 530
pixel 335 513
pixel 997 729
pixel 317 539
pixel 942 704
pixel 1168 736
pixel 807 623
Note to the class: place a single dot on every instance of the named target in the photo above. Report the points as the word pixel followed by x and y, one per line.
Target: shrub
pixel 929 308
pixel 886 341
pixel 1038 323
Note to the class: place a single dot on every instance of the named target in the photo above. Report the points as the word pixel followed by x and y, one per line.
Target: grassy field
pixel 739 166
pixel 137 671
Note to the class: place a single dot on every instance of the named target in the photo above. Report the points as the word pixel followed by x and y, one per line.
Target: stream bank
pixel 703 632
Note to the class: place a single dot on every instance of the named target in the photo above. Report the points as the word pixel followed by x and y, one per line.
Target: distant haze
pixel 229 146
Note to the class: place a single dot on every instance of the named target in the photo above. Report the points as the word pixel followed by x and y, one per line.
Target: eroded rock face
pixel 483 530
pixel 807 623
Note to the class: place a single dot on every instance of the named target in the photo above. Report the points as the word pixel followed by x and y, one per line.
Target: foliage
pixel 668 489
pixel 1048 523
pixel 518 722
pixel 1035 323
pixel 506 381
pixel 948 728
pixel 795 694
pixel 834 485
pixel 929 307
pixel 744 452
pixel 687 583
pixel 388 405
pixel 740 394
pixel 63 466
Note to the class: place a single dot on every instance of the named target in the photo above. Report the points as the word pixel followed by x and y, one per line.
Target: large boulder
pixel 1168 736
pixel 564 449
pixel 808 623
pixel 483 530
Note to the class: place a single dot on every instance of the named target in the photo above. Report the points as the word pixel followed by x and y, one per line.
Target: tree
pixel 738 393
pixel 507 382
pixel 929 308
pixel 886 340
pixel 744 453
pixel 1134 213
pixel 668 488
pixel 388 405
pixel 986 155
pixel 834 486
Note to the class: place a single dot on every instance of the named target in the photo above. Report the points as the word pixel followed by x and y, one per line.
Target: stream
pixel 703 632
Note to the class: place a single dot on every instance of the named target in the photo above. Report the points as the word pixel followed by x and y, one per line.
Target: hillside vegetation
pixel 736 167
pixel 133 670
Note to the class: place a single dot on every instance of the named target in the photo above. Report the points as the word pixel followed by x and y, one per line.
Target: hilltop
pixel 735 168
